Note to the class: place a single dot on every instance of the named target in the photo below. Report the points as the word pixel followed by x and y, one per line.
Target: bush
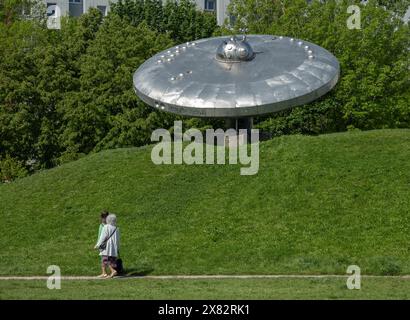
pixel 320 117
pixel 11 169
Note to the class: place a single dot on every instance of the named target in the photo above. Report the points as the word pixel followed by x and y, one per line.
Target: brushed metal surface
pixel 188 79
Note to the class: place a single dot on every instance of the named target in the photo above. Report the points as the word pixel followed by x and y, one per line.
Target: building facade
pixel 75 8
pixel 218 6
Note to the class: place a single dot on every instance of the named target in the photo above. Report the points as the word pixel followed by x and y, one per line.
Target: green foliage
pixel 320 117
pixel 181 20
pixel 13 10
pixel 11 169
pixel 21 108
pixel 39 68
pixel 105 112
pixel 65 93
pixel 374 88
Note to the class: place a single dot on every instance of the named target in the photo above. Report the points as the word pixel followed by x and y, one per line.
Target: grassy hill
pixel 317 205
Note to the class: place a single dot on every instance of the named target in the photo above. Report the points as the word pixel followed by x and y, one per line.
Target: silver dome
pixel 234 50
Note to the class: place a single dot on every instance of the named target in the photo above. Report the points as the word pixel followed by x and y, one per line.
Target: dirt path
pixel 200 277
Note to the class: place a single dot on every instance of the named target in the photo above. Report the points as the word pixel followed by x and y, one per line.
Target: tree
pixel 13 10
pixel 68 92
pixel 38 69
pixel 105 112
pixel 21 109
pixel 374 86
pixel 181 20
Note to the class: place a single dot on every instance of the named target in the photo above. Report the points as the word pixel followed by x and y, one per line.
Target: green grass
pixel 385 288
pixel 317 205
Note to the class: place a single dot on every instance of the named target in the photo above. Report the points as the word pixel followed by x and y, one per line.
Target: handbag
pixel 120 267
pixel 103 244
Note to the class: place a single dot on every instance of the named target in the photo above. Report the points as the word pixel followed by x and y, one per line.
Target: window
pixel 232 20
pixel 75 8
pixel 103 9
pixel 210 5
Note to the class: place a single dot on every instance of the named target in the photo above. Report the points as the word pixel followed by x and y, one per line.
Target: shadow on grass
pixel 137 272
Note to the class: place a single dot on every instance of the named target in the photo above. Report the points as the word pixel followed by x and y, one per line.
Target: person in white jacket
pixel 109 246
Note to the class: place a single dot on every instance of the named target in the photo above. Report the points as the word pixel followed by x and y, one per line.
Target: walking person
pixel 103 221
pixel 109 245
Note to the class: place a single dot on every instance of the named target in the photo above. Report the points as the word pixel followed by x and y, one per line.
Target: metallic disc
pixel 191 80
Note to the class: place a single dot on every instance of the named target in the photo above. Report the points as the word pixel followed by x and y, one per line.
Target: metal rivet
pixel 181 75
pixel 169 51
pixel 300 43
pixel 169 60
pixel 171 55
pixel 162 56
pixel 172 78
pixel 162 107
pixel 281 37
pixel 159 61
pixel 177 51
pixel 193 43
pixel 310 52
pixel 311 57
pixel 306 47
pixel 291 39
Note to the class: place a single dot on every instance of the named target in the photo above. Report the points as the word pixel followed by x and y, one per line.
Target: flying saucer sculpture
pixel 236 77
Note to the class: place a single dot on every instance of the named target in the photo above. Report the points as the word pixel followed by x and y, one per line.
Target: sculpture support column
pixel 240 123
